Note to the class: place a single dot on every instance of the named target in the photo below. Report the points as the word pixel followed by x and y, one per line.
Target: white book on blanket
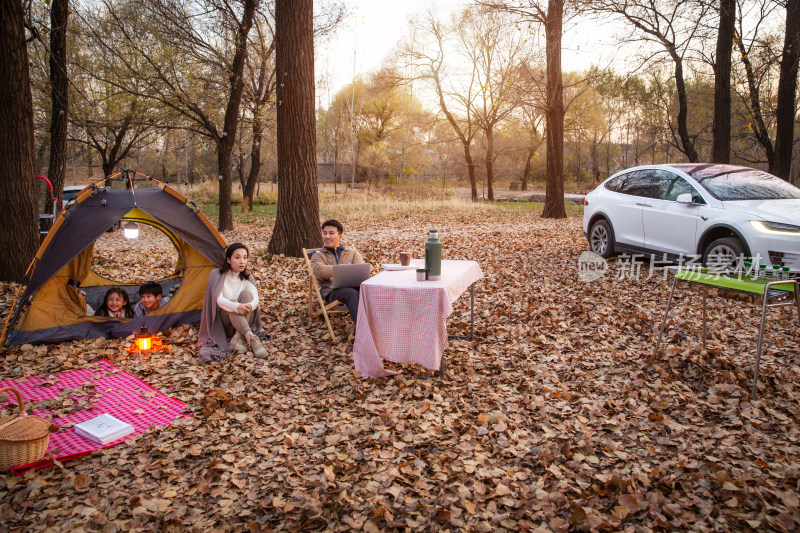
pixel 103 429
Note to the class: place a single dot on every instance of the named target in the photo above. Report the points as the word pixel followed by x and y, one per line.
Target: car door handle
pixel 643 205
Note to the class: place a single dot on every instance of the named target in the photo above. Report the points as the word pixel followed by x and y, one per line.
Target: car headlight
pixel 775 228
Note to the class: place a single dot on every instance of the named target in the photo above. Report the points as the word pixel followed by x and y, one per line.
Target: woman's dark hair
pixel 127 308
pixel 244 274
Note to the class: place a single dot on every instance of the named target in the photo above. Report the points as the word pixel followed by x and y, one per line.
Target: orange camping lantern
pixel 144 341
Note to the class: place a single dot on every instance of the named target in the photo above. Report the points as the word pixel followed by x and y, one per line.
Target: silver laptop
pixel 349 275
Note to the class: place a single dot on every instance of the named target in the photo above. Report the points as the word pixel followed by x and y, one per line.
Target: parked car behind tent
pixel 53 309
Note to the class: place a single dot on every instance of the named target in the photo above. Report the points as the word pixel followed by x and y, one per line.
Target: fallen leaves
pixel 555 417
pixel 82 483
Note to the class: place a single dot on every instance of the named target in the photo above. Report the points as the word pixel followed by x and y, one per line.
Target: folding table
pixel 774 293
pixel 403 320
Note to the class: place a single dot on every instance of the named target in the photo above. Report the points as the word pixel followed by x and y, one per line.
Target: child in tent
pixel 115 304
pixel 231 318
pixel 150 298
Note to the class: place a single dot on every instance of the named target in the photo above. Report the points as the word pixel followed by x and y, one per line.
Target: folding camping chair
pixel 316 303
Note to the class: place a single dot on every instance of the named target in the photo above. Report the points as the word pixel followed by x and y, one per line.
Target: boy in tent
pixel 150 299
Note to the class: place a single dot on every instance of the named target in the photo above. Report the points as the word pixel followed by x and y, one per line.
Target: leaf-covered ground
pixel 556 417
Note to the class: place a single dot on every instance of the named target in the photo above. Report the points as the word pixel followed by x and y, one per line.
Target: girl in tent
pixel 115 304
pixel 231 318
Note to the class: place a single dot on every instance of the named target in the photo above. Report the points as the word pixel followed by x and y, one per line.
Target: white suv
pixel 715 213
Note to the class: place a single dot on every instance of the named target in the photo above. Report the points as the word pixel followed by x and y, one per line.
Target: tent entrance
pixel 52 307
pixel 154 255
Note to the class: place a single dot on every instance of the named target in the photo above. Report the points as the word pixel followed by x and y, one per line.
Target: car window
pixel 69 193
pixel 642 183
pixel 746 184
pixel 614 184
pixel 673 186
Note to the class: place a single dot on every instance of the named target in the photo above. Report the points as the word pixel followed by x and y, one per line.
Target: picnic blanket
pixel 86 393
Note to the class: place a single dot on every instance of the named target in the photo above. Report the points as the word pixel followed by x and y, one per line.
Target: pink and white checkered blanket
pixel 403 320
pixel 117 393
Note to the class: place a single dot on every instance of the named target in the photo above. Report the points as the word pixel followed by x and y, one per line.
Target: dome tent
pixel 53 309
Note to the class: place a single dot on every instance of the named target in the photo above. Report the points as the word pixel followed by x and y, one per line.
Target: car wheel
pixel 601 238
pixel 724 253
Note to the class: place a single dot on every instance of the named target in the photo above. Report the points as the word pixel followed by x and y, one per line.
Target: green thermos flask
pixel 433 256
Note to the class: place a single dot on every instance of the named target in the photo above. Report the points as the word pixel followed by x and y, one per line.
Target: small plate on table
pixel 399 267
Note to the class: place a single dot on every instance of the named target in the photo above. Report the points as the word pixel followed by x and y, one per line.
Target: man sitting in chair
pixel 334 253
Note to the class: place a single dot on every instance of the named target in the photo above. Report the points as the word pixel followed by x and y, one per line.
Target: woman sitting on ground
pixel 231 318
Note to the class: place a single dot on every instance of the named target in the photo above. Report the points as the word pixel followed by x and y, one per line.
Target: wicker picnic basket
pixel 23 439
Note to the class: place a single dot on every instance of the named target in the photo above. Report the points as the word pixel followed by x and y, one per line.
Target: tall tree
pixel 188 58
pixel 19 237
pixel 785 111
pixel 552 18
pixel 672 25
pixel 260 89
pixel 432 65
pixel 117 136
pixel 297 220
pixel 532 94
pixel 231 120
pixel 534 141
pixel 748 47
pixel 113 123
pixel 59 84
pixel 554 114
pixel 721 144
pixel 491 42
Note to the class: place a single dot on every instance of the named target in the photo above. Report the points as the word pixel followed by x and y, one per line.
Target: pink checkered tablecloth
pixel 117 393
pixel 403 320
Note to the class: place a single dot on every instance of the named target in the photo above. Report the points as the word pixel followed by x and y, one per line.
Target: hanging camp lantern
pixel 144 340
pixel 130 230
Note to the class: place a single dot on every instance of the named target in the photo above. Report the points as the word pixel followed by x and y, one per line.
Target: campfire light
pixel 130 230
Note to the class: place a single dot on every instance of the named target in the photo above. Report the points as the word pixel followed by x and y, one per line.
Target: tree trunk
pixel 297 221
pixel 108 168
pixel 759 128
pixel 490 164
pixel 526 174
pixel 255 162
pixel 683 111
pixel 471 172
pixel 554 114
pixel 59 13
pixel 89 162
pixel 464 137
pixel 240 172
pixel 596 160
pixel 226 143
pixel 721 144
pixel 787 91
pixel 356 151
pixel 225 178
pixel 335 177
pixel 19 238
pixel 259 102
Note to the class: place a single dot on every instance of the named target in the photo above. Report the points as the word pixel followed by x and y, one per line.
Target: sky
pixel 374 27
pixel 370 31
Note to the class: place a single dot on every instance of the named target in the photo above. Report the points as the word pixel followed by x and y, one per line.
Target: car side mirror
pixel 685 198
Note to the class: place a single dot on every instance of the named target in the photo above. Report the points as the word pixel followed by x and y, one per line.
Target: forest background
pixel 187 91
